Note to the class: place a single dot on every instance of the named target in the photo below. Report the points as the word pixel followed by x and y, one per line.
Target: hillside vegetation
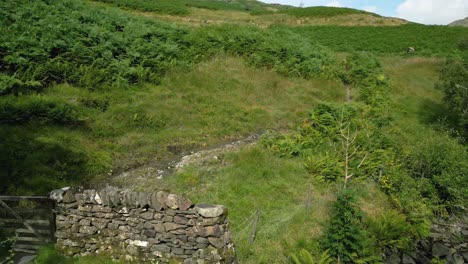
pixel 362 143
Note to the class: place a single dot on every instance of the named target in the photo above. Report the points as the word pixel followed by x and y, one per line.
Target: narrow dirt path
pixel 138 176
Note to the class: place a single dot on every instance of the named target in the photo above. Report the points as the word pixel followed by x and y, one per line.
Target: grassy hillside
pixel 89 90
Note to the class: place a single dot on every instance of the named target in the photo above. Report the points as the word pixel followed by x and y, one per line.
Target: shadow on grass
pixel 439 115
pixel 32 163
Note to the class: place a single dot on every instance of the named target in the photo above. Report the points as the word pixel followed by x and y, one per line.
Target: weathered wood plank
pixel 29 198
pixel 28 221
pixel 29 251
pixel 22 246
pixel 27 231
pixel 36 211
pixel 32 239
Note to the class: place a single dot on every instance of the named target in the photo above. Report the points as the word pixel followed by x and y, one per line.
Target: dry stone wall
pixel 141 227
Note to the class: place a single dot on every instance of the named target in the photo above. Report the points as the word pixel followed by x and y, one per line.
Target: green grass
pixel 182 7
pixel 219 100
pixel 427 40
pixel 48 255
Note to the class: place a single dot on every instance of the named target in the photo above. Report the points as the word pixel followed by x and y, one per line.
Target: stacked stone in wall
pixel 141 227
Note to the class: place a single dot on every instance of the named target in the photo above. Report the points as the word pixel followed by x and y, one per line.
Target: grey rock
pixel 57 195
pixel 161 197
pixel 189 260
pixel 440 250
pixel 180 220
pixel 159 228
pixel 100 223
pixel 154 202
pixel 89 230
pixel 206 231
pixel 458 259
pixel 172 226
pixel 147 215
pixel 149 233
pixel 184 203
pixel 393 258
pixel 85 222
pixel 143 199
pixel 161 248
pixel 219 243
pixel 408 259
pixel 132 249
pixel 172 201
pixel 208 210
pixel 112 226
pixel 177 251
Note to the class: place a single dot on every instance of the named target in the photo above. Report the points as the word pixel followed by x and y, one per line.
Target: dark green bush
pixel 344 237
pixel 38 109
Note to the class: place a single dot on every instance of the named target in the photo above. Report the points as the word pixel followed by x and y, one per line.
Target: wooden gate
pixel 30 218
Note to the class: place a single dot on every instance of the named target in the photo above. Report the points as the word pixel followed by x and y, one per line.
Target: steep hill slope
pixel 206 12
pixel 461 22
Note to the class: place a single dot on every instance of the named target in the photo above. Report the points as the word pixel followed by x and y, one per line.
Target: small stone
pixel 173 226
pixel 80 198
pixel 85 222
pixel 85 208
pixel 161 197
pixel 89 230
pixel 440 250
pixel 219 243
pixel 100 223
pixel 407 259
pixel 180 220
pixel 132 249
pixel 69 197
pixel 184 203
pixel 109 232
pixel 458 259
pixel 147 215
pixel 154 203
pixel 172 201
pixel 161 248
pixel 159 228
pixel 178 251
pixel 149 233
pixel 202 240
pixel 167 218
pixel 208 210
pixel 213 231
pixel 143 199
pixel 189 261
pixel 138 243
pixel 112 226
